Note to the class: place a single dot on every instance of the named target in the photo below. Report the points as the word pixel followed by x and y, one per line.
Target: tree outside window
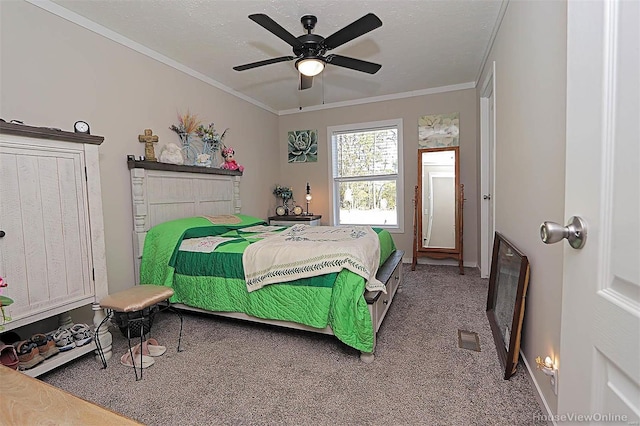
pixel 366 174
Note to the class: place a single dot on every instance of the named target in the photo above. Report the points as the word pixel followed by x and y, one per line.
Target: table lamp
pixel 308 198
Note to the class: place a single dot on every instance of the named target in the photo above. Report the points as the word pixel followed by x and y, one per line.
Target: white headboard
pixel 162 192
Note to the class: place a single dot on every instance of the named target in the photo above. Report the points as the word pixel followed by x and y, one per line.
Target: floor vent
pixel 468 340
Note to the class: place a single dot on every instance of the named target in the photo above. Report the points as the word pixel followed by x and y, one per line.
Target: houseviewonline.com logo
pixel 578 417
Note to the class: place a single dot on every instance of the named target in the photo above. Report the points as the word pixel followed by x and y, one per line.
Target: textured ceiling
pixel 422 45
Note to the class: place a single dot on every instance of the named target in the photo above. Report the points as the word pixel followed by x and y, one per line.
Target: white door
pixel 599 364
pixel 487 226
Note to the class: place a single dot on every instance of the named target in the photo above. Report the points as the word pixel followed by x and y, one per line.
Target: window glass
pixel 366 177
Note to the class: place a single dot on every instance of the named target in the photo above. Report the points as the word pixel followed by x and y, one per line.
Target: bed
pixel 177 208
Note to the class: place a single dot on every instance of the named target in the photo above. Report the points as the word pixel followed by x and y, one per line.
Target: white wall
pixel 530 55
pixel 54 72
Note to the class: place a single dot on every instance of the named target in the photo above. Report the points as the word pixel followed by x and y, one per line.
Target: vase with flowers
pixel 186 129
pixel 212 141
pixel 285 194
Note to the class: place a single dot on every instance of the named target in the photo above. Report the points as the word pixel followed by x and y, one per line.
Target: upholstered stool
pixel 133 302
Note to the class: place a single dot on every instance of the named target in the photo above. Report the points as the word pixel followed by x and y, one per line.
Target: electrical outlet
pixel 549 369
pixel 554 381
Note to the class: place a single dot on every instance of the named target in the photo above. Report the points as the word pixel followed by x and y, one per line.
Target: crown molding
pixel 492 38
pixel 382 98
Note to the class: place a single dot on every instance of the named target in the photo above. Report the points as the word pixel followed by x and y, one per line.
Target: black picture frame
pixel 508 284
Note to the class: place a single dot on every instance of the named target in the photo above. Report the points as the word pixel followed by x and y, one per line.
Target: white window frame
pixel 372 125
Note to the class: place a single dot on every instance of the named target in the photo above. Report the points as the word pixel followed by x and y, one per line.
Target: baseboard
pixel 540 397
pixel 446 262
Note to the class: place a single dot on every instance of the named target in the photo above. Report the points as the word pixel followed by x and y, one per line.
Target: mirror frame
pixel 438 252
pixel 508 359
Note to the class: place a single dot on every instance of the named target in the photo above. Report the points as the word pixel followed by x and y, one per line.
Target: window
pixel 366 173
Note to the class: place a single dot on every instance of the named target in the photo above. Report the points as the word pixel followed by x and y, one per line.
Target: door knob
pixel 575 232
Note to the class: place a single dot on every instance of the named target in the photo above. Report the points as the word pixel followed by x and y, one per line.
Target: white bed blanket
pixel 306 251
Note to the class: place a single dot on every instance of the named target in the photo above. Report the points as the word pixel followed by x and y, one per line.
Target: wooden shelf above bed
pixel 154 165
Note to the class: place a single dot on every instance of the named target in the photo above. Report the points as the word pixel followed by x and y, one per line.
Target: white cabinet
pixel 52 252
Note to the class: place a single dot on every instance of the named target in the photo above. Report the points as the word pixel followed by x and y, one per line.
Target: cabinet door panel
pixel 32 228
pixel 53 237
pixel 12 249
pixel 45 255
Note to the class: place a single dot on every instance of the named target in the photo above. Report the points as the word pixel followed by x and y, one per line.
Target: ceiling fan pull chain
pixel 322 88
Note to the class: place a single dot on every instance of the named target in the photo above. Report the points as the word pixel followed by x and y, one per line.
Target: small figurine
pixel 203 160
pixel 171 154
pixel 229 161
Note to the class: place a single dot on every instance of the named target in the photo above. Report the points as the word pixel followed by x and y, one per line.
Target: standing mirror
pixel 437 230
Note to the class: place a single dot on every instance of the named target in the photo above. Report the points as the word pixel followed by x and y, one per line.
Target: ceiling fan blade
pixel 355 29
pixel 261 63
pixel 305 82
pixel 272 26
pixel 353 63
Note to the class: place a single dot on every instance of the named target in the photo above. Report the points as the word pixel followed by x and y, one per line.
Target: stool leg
pixel 97 340
pixel 141 342
pixel 135 370
pixel 175 311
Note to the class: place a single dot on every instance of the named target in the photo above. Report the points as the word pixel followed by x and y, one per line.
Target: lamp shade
pixel 310 66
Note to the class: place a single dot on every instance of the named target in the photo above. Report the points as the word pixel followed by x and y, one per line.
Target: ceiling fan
pixel 309 49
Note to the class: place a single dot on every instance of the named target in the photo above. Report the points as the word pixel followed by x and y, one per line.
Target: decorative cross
pixel 148 139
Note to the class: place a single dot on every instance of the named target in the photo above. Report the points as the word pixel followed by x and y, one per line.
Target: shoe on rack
pixel 63 339
pixel 46 345
pixel 9 356
pixel 9 337
pixel 28 354
pixel 82 334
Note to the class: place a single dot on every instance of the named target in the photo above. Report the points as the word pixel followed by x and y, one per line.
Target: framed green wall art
pixel 302 146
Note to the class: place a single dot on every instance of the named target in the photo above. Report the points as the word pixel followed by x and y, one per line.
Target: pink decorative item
pixel 229 161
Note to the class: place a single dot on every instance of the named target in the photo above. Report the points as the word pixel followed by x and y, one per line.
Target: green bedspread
pixel 215 281
pixel 161 242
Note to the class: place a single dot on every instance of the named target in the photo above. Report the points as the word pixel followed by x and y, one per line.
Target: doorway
pixel 487 172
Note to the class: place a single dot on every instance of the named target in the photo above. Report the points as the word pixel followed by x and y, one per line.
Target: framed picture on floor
pixel 508 283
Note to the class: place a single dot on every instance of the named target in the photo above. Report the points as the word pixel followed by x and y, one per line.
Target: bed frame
pixel 162 192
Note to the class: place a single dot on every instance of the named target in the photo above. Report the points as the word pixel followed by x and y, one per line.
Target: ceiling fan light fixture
pixel 310 66
pixel 309 48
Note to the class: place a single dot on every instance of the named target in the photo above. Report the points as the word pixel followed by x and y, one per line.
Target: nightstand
pixel 311 220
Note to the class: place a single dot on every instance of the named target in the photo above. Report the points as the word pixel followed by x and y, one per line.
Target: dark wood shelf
pixel 155 165
pixel 48 133
pixel 295 218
